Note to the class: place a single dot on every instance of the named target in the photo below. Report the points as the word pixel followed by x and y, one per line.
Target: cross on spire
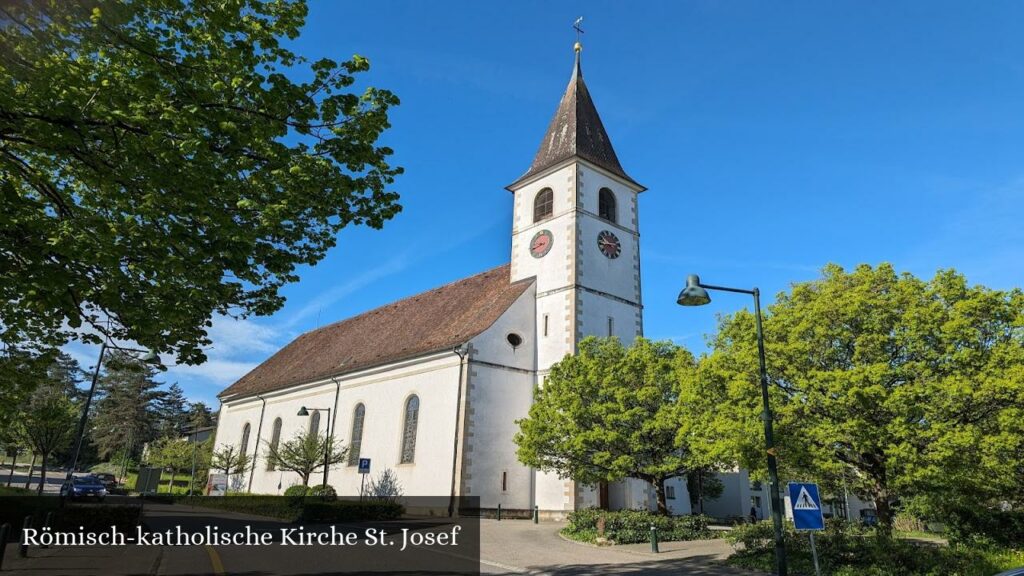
pixel 578 26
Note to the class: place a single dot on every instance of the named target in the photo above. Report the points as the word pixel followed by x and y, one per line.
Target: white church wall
pixel 383 391
pixel 596 310
pixel 501 382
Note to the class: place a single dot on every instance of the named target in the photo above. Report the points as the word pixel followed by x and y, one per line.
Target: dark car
pixel 108 480
pixel 1014 572
pixel 82 487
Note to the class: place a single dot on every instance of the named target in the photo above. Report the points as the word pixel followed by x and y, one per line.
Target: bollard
pixel 46 524
pixel 5 532
pixel 536 514
pixel 499 512
pixel 654 539
pixel 23 550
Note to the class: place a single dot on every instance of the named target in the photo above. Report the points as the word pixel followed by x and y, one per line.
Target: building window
pixel 275 439
pixel 357 435
pixel 670 492
pixel 245 438
pixel 606 205
pixel 314 423
pixel 611 326
pixel 543 205
pixel 412 416
pixel 514 340
pixel 504 481
pixel 545 324
pixel 756 486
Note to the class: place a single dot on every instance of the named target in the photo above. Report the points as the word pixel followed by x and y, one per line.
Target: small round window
pixel 514 339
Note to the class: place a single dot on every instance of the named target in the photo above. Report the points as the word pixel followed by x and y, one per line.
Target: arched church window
pixel 412 416
pixel 357 434
pixel 543 204
pixel 245 438
pixel 275 440
pixel 314 423
pixel 606 205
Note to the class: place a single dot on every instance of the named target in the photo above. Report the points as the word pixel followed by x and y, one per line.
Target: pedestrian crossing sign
pixel 806 504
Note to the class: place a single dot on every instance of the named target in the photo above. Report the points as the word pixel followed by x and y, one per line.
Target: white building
pixel 431 386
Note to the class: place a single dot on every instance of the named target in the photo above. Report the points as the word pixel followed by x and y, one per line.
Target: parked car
pixel 1013 572
pixel 108 480
pixel 82 487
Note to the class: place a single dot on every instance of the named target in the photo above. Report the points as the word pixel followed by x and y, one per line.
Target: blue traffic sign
pixel 364 465
pixel 806 504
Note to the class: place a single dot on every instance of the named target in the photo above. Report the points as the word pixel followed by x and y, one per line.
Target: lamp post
pixel 147 357
pixel 696 294
pixel 327 447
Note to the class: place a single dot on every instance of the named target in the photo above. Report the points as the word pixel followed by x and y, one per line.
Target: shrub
pixel 296 490
pixel 634 526
pixel 324 492
pixel 978 526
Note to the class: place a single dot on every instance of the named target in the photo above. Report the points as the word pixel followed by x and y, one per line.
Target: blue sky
pixel 773 138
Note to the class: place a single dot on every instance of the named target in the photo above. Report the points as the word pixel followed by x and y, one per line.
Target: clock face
pixel 541 243
pixel 609 244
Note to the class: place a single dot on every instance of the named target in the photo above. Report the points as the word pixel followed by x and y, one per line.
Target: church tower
pixel 575 229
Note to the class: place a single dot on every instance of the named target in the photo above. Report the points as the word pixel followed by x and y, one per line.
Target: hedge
pixel 634 526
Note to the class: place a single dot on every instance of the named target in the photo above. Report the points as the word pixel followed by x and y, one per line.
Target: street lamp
pixel 696 294
pixel 147 357
pixel 327 448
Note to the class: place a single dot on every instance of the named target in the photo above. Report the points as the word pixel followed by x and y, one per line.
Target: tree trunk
pixel 11 475
pixel 305 479
pixel 700 490
pixel 31 469
pixel 170 487
pixel 884 512
pixel 659 490
pixel 42 475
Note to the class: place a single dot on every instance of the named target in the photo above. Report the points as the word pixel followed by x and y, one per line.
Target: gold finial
pixel 577 25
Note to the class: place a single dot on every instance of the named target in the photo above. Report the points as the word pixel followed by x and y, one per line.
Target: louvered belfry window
pixel 543 205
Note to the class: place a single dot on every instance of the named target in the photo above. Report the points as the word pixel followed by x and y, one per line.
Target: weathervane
pixel 577 25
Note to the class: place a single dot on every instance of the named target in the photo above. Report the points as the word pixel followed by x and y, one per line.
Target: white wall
pixel 383 391
pixel 501 382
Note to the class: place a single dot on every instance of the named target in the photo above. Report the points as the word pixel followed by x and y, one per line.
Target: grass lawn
pixel 181 483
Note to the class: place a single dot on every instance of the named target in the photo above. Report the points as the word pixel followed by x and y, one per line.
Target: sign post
pixel 364 469
pixel 806 504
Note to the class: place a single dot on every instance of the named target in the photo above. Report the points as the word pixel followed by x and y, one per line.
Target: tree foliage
pixel 165 160
pixel 229 460
pixel 906 389
pixel 47 423
pixel 612 412
pixel 305 453
pixel 128 413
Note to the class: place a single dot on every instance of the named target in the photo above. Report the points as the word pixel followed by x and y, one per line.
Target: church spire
pixel 575 131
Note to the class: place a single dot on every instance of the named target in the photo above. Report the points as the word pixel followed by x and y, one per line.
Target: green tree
pixel 908 389
pixel 304 454
pixel 173 411
pixel 48 423
pixel 128 414
pixel 703 484
pixel 228 459
pixel 200 415
pixel 611 412
pixel 173 454
pixel 165 160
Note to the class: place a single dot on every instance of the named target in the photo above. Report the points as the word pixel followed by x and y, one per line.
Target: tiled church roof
pixel 432 321
pixel 575 131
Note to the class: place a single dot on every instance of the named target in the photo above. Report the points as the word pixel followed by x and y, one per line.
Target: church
pixel 431 386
